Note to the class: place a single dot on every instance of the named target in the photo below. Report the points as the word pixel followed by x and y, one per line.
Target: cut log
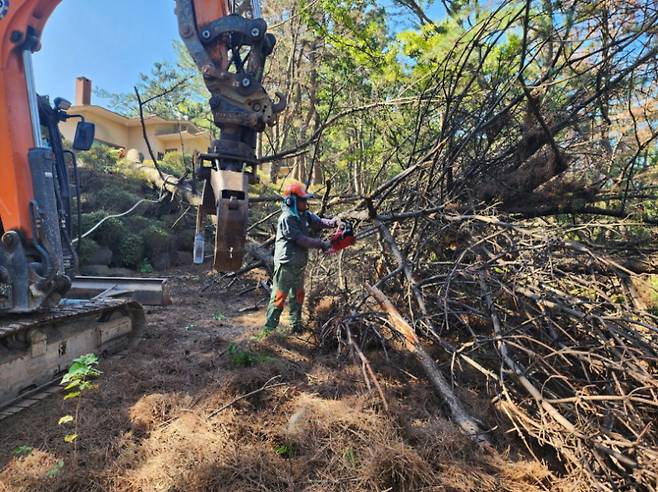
pixel 466 423
pixel 261 254
pixel 169 183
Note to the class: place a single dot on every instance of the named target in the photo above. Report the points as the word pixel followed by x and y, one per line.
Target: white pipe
pixel 32 98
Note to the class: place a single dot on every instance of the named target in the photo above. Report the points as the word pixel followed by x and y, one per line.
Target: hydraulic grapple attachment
pixel 230 188
pixel 230 51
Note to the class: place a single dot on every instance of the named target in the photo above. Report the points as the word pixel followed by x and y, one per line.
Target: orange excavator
pixel 40 333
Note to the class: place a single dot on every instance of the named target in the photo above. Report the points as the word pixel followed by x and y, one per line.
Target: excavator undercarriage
pixel 35 350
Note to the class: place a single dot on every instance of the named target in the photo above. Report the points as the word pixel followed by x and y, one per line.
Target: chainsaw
pixel 341 238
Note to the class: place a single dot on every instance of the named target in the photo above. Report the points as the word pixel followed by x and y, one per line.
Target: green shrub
pixel 286 450
pixel 166 221
pixel 89 220
pixel 174 163
pixel 100 157
pixel 185 239
pixel 127 247
pixel 88 248
pixel 131 170
pixel 183 230
pixel 110 232
pixel 129 251
pixel 138 224
pixel 157 241
pixel 115 199
pixel 246 358
pixel 145 266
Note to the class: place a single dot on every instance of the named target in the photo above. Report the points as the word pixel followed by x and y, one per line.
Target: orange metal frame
pixel 205 12
pixel 15 126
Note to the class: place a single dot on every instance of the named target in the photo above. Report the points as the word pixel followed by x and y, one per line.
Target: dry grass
pixel 29 473
pixel 151 426
pixel 307 443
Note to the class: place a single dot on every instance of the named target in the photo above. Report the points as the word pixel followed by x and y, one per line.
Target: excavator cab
pixel 37 273
pixel 65 169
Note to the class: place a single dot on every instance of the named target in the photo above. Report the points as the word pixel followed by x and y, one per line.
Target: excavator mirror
pixel 62 104
pixel 84 135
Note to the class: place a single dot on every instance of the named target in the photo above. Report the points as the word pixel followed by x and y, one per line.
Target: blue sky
pixel 112 41
pixel 108 41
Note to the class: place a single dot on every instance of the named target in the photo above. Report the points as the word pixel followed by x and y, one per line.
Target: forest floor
pixel 170 415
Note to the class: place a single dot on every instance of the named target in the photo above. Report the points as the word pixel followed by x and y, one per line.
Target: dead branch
pixel 466 423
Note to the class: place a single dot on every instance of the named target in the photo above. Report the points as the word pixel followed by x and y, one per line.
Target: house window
pixel 160 155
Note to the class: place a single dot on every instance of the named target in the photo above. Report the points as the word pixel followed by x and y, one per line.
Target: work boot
pixel 297 329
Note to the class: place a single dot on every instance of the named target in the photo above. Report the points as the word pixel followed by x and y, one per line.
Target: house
pixel 120 131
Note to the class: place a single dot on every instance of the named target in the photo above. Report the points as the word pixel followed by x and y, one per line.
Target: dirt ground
pixel 172 415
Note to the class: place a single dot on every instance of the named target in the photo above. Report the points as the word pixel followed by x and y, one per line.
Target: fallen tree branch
pixel 465 422
pixel 169 183
pixel 365 366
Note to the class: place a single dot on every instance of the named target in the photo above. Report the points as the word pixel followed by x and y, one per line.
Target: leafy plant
pixel 22 451
pixel 129 252
pixel 108 233
pixel 175 163
pixel 76 382
pixel 88 248
pixel 100 157
pixel 56 469
pixel 145 266
pixel 285 450
pixel 219 316
pixel 245 358
pixel 350 456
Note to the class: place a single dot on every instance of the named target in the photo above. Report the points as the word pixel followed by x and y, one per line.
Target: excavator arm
pixel 230 51
pixel 36 253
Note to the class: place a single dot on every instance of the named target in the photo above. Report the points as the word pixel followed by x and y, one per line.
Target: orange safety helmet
pixel 297 189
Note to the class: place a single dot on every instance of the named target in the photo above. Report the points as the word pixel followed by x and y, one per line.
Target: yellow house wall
pixel 131 137
pixel 67 129
pixel 107 131
pixel 135 140
pixel 192 143
pixel 160 145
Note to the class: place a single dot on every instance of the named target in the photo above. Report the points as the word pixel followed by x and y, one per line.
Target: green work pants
pixel 287 282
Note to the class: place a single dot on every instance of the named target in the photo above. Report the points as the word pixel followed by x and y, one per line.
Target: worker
pixel 293 241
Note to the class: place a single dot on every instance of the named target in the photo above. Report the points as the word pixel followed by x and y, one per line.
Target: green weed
pixel 76 382
pixel 285 450
pixel 245 358
pixel 56 469
pixel 350 456
pixel 22 451
pixel 145 266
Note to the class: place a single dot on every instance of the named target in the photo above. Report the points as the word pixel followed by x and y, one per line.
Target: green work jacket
pixel 290 227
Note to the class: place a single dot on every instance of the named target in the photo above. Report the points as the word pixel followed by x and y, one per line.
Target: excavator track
pixel 36 349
